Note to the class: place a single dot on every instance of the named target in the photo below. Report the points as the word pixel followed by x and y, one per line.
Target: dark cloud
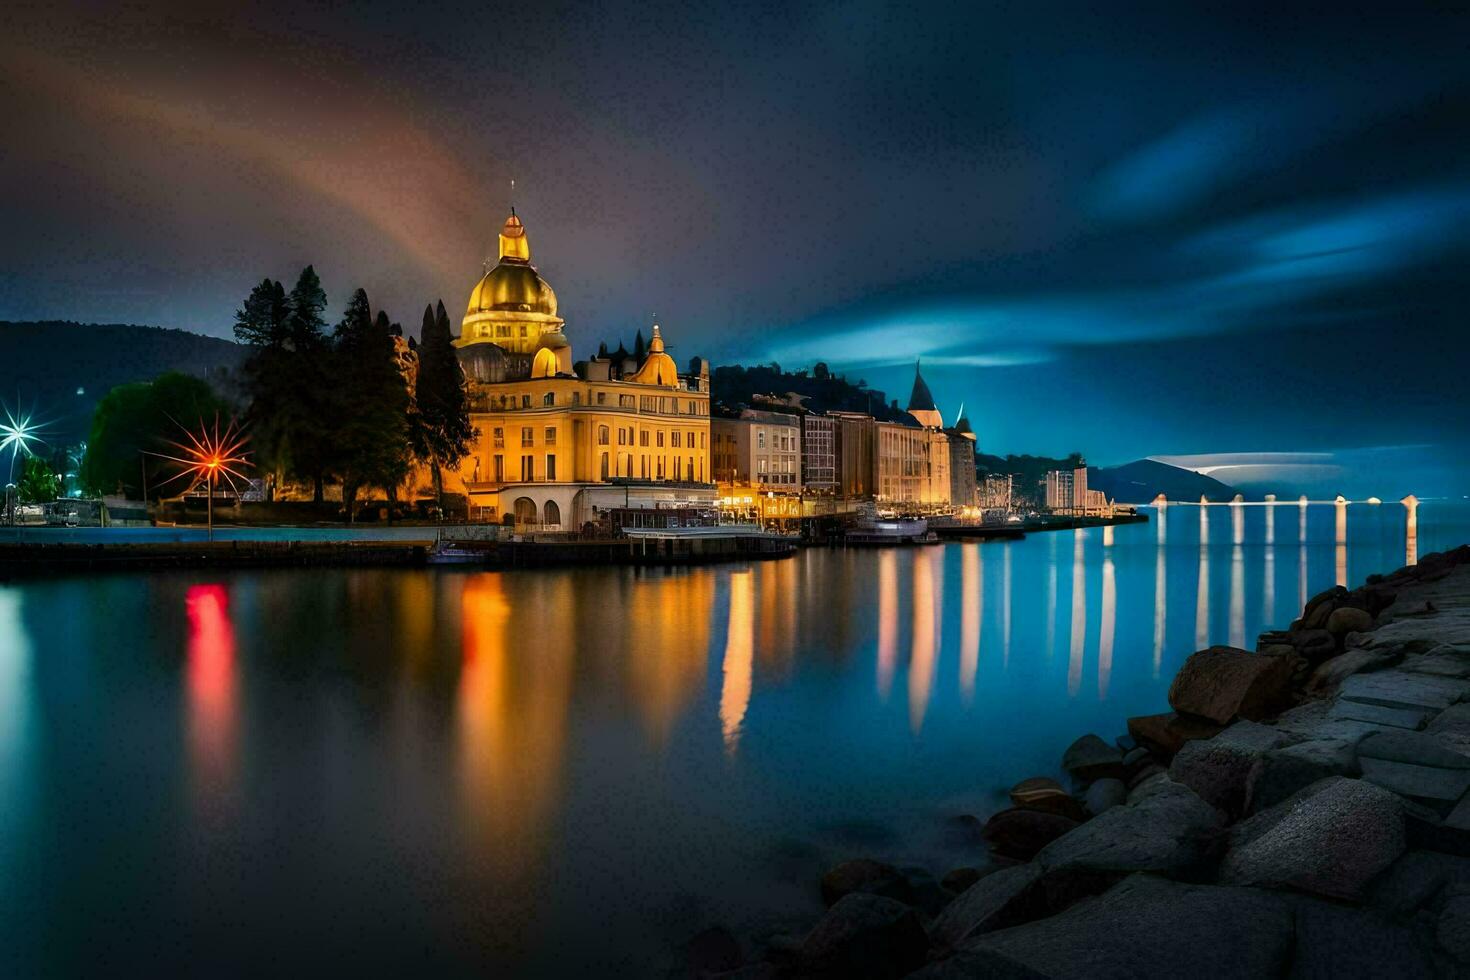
pixel 1038 200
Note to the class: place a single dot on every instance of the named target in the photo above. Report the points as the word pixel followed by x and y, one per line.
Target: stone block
pixel 1166 734
pixel 1223 683
pixel 1280 773
pixel 1412 719
pixel 1402 689
pixel 1170 830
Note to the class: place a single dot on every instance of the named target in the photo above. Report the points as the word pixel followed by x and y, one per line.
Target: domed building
pixel 557 442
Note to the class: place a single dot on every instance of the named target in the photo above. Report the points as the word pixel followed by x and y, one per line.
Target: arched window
pixel 552 512
pixel 525 510
pixel 602 437
pixel 604 459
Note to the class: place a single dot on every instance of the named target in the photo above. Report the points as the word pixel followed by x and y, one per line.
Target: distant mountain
pixel 60 369
pixel 1142 480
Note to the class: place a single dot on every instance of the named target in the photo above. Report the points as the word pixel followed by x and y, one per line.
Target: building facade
pixel 557 442
pixel 819 453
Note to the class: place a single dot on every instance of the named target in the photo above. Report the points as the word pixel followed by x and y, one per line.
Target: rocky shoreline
pixel 1303 810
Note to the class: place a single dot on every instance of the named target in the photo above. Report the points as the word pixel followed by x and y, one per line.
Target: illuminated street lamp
pixel 211 456
pixel 16 434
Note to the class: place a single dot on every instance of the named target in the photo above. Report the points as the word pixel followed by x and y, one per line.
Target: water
pixel 572 771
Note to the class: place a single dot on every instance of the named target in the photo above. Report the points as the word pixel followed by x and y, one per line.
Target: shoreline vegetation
pixel 1302 810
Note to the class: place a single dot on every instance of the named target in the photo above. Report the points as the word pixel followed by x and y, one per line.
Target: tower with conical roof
pixel 921 403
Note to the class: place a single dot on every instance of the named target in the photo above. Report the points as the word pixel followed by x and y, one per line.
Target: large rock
pixel 1330 839
pixel 1452 727
pixel 864 875
pixel 1444 660
pixel 1223 683
pixel 1171 830
pixel 1331 673
pixel 1019 833
pixel 1281 773
pixel 1411 719
pixel 864 935
pixel 1346 619
pixel 1166 734
pixel 1151 927
pixel 1312 720
pixel 1091 758
pixel 1011 897
pixel 1219 769
pixel 1105 794
pixel 1414 764
pixel 1314 646
pixel 1404 689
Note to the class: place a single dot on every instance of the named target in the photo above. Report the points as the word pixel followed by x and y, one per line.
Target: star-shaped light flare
pixel 210 456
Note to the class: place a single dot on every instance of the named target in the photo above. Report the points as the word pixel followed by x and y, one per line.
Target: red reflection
pixel 211 682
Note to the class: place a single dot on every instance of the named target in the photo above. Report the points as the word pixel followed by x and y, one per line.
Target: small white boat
pixel 892 531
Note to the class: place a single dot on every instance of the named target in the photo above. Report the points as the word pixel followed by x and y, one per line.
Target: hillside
pixel 60 369
pixel 1142 480
pixel 735 386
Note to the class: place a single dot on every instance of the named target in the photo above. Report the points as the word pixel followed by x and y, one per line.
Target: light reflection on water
pixel 400 770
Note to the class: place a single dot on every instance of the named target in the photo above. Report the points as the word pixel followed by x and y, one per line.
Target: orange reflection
pixel 211 682
pixel 514 691
pixel 1079 614
pixel 1105 637
pixel 667 642
pixel 739 650
pixel 1237 596
pixel 973 586
pixel 1340 538
pixel 1411 530
pixel 927 597
pixel 887 620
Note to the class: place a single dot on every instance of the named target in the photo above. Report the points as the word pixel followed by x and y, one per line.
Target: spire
pixel 920 399
pixel 656 345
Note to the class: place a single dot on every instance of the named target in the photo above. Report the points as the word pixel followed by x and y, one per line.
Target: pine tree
pixel 314 412
pixel 373 439
pixel 442 430
pixel 638 347
pixel 263 323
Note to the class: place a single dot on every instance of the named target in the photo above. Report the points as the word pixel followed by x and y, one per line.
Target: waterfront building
pixel 996 492
pixel 961 462
pixel 856 449
pixel 758 465
pixel 819 453
pixel 921 403
pixel 557 442
pixel 1067 493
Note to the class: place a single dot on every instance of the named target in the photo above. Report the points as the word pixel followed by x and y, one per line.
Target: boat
pixel 454 553
pixel 889 532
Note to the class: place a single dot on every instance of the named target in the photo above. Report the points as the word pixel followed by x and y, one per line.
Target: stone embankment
pixel 1303 811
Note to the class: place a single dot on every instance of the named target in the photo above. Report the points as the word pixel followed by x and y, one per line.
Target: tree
pixel 441 421
pixel 38 482
pixel 314 408
pixel 372 445
pixel 638 347
pixel 134 421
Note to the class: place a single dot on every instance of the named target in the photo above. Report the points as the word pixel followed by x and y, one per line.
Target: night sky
pixel 1159 231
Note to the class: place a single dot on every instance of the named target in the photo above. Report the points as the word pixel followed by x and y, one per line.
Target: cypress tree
pixel 312 411
pixel 638 347
pixel 373 440
pixel 442 430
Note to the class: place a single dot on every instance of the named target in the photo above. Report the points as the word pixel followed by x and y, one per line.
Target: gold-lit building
pixel 558 441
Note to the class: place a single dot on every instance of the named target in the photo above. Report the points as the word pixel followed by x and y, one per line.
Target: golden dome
pixel 512 287
pixel 545 364
pixel 658 367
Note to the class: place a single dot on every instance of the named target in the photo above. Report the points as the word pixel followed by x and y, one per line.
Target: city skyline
pixel 1218 233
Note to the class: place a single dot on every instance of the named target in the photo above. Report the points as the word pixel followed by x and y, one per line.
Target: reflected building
pixel 1202 595
pixel 1340 540
pixel 887 620
pixel 1079 614
pixel 735 687
pixel 928 611
pixel 971 611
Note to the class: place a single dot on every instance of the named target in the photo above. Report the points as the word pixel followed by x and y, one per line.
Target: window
pixel 643 438
pixel 551 435
pixel 499 468
pixel 499 438
pixel 602 398
pixel 525 401
pixel 678 468
pixel 660 439
pixel 551 466
pixel 528 469
pixel 627 401
pixel 677 438
pixel 604 457
pixel 701 440
pixel 549 398
pixel 602 437
pixel 576 398
pixel 523 332
pixel 526 437
pixel 622 436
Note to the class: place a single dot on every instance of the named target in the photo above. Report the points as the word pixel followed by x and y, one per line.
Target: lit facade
pixel 558 441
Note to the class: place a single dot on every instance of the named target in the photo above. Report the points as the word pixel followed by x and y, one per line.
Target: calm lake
pixel 572 771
